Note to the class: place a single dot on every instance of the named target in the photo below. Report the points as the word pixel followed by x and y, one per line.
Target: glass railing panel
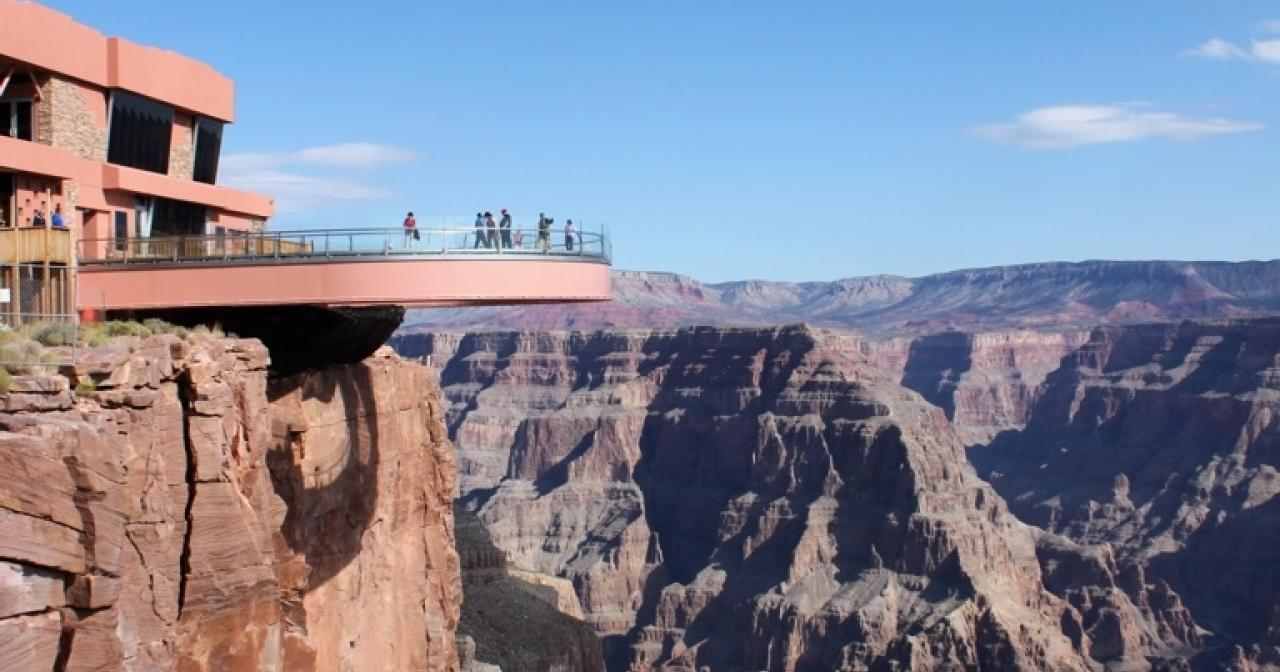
pixel 293 246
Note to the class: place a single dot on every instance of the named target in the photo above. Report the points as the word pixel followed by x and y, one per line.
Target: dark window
pixel 141 130
pixel 15 119
pixel 176 218
pixel 122 230
pixel 6 195
pixel 208 147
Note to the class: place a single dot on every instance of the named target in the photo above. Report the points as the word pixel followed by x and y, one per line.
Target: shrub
pixel 99 333
pixel 6 381
pixel 157 326
pixel 93 336
pixel 206 330
pixel 85 388
pixel 54 334
pixel 125 328
pixel 21 356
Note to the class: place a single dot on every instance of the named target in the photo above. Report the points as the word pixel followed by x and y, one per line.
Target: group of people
pixel 498 234
pixel 38 219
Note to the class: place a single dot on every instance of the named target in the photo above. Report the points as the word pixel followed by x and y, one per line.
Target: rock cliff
pixel 751 499
pixel 521 621
pixel 181 511
pixel 986 382
pixel 1161 444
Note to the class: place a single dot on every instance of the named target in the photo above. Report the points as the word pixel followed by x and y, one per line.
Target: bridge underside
pixel 317 313
pixel 405 282
pixel 298 337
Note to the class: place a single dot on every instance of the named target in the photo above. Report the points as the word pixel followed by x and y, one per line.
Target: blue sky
pixel 790 141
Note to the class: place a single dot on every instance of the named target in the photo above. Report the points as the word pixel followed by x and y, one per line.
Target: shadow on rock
pixel 326 471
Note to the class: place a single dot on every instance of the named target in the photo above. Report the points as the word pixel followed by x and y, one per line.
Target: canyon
pixel 794 498
pixel 168 505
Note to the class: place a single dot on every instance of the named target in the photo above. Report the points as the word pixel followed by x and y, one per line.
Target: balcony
pixel 35 246
pixel 350 267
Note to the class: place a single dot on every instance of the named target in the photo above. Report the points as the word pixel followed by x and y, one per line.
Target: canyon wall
pixel 698 485
pixel 986 382
pixel 179 510
pixel 1162 443
pixel 749 499
pixel 518 620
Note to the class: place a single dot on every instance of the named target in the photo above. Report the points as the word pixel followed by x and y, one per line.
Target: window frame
pixel 11 125
pixel 195 148
pixel 116 95
pixel 120 222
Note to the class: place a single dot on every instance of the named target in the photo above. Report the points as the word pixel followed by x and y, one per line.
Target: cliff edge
pixel 182 511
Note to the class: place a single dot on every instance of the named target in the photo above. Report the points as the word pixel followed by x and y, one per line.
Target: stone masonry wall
pixel 66 122
pixel 182 151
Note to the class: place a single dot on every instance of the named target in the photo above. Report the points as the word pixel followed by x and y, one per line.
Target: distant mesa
pixel 1057 296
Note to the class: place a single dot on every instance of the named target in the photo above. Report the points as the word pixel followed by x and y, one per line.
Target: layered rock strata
pixel 517 620
pixel 181 511
pixel 986 382
pixel 1161 443
pixel 749 499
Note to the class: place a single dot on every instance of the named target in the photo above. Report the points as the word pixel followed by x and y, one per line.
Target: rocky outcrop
pixel 1160 443
pixel 300 338
pixel 181 511
pixel 749 499
pixel 986 382
pixel 521 620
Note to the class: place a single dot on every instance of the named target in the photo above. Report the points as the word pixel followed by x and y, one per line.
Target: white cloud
pixel 344 155
pixel 1218 49
pixel 289 177
pixel 1064 126
pixel 294 192
pixel 1267 51
pixel 354 155
pixel 1259 51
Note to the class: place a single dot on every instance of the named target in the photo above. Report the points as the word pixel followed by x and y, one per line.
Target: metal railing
pixel 297 246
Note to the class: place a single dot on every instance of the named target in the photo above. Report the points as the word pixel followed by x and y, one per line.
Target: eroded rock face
pixel 1161 443
pixel 748 499
pixel 985 382
pixel 517 620
pixel 184 516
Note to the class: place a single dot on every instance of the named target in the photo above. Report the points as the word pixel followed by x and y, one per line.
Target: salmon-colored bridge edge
pixel 410 282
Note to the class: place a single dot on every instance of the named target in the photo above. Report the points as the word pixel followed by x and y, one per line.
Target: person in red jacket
pixel 410 229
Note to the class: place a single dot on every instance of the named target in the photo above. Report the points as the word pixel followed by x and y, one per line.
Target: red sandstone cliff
pixel 189 514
